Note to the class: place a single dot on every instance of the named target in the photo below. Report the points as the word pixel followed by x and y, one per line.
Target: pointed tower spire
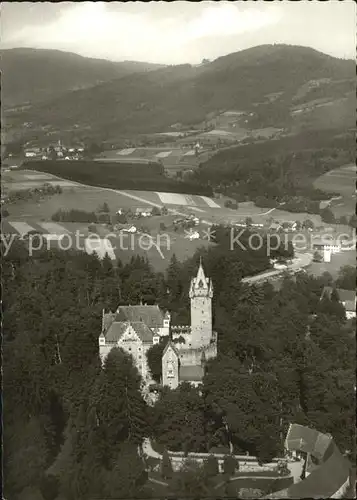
pixel 201 293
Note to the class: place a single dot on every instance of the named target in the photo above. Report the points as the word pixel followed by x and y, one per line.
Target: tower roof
pixel 201 285
pixel 172 345
pixel 200 273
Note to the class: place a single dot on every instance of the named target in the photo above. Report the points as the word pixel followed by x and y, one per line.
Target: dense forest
pixel 115 175
pixel 72 429
pixel 279 171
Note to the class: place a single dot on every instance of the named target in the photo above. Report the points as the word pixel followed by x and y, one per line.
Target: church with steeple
pixel 136 328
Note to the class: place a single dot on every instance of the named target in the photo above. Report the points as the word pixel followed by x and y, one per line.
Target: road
pixel 301 260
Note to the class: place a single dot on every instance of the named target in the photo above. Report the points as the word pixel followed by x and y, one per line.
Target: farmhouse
pixel 346 297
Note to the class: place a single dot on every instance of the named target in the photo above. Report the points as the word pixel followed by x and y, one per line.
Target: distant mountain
pixel 33 75
pixel 152 101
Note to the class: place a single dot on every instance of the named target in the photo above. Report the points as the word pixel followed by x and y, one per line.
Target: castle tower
pixel 201 293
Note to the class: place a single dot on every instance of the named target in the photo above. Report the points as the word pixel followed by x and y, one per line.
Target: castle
pixel 137 328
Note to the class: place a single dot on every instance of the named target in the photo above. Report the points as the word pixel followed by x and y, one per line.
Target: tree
pixel 166 466
pixel 174 285
pixel 191 482
pixel 343 220
pixel 327 216
pixel 248 221
pixel 308 224
pixel 331 306
pixel 347 278
pixel 156 211
pixel 122 411
pixel 229 465
pixel 127 476
pixel 317 257
pixel 210 466
pixel 353 221
pixel 104 208
pixel 179 420
pixel 49 487
pixel 154 358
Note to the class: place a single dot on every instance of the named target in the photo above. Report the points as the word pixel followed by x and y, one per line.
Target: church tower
pixel 201 293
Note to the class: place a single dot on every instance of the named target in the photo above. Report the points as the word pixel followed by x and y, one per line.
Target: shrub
pixel 156 211
pixel 229 465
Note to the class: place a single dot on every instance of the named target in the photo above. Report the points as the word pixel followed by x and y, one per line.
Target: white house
pixel 327 246
pixel 194 235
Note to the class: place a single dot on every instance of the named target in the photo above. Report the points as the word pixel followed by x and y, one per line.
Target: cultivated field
pixel 158 248
pixel 343 181
pixel 27 215
pixel 76 196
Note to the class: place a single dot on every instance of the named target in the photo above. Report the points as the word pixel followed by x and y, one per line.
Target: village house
pixel 347 299
pixel 275 226
pixel 144 212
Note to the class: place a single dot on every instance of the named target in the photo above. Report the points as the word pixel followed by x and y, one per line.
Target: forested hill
pixel 31 75
pixel 149 102
pixel 71 429
pixel 281 170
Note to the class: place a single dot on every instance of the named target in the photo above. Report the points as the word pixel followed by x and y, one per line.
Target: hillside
pixel 246 80
pixel 31 75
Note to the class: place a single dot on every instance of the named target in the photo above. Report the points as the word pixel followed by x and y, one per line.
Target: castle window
pixel 170 374
pixel 139 357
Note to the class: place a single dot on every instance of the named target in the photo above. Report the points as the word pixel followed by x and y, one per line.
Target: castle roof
pixel 108 318
pixel 172 345
pixel 152 316
pixel 191 373
pixel 118 328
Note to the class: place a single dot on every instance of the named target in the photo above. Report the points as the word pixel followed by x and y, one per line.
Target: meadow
pixel 338 260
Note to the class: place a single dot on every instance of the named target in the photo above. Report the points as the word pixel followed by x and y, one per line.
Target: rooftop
pixel 152 316
pixel 118 328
